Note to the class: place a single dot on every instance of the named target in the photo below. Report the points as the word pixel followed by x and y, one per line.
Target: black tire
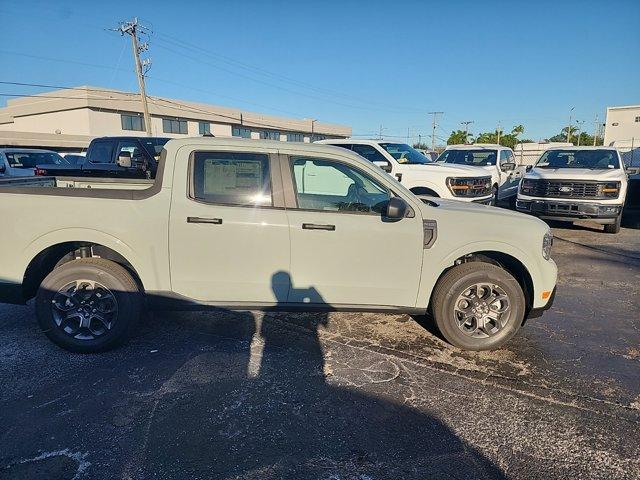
pixel 460 279
pixel 113 285
pixel 614 227
pixel 494 196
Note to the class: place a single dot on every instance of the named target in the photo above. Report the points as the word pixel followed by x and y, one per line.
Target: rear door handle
pixel 212 221
pixel 315 226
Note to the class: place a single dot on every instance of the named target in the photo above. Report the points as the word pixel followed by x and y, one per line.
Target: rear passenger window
pixel 231 178
pixel 101 152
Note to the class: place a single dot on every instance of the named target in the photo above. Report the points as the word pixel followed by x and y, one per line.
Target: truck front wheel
pixel 478 306
pixel 88 305
pixel 614 227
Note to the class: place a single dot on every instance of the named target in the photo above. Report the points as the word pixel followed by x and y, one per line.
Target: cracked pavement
pixel 246 395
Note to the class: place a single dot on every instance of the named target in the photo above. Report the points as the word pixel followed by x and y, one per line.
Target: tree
pixel 459 137
pixel 506 139
pixel 585 138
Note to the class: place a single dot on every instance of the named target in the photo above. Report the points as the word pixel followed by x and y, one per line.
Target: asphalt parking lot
pixel 247 395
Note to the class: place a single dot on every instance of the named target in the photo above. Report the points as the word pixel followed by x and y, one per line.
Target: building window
pixel 637 119
pixel 295 137
pixel 171 125
pixel 241 132
pixel 269 135
pixel 132 122
pixel 204 128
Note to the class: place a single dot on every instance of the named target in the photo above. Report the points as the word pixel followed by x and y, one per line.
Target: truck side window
pixel 334 186
pixel 231 178
pixel 131 147
pixel 369 152
pixel 101 152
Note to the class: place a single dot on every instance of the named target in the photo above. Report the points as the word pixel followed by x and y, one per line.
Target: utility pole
pixel 579 130
pixel 596 131
pixel 142 66
pixel 380 134
pixel 433 129
pixel 313 122
pixel 466 129
pixel 499 131
pixel 569 127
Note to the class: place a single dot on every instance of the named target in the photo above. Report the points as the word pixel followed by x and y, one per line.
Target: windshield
pixel 404 154
pixel 154 145
pixel 476 158
pixel 31 159
pixel 592 159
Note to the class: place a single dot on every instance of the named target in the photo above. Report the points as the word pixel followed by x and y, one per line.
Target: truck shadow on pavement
pixel 238 396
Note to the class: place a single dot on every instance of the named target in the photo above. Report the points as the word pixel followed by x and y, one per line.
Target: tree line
pixel 510 139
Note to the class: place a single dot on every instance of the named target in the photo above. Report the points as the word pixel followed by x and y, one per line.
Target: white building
pixel 70 118
pixel 623 126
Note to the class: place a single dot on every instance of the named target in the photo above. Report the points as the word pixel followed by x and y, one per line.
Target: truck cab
pixel 576 183
pixel 496 160
pixel 420 174
pixel 112 157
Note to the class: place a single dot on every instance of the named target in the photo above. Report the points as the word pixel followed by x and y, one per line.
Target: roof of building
pixel 106 99
pixel 624 107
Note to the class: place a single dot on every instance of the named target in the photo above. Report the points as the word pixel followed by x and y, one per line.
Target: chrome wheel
pixel 84 309
pixel 482 310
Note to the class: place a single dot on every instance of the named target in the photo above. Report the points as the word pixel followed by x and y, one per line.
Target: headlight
pixel 547 242
pixel 528 187
pixel 610 190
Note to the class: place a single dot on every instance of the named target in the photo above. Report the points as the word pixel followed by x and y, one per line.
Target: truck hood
pixel 470 207
pixel 575 174
pixel 20 172
pixel 444 169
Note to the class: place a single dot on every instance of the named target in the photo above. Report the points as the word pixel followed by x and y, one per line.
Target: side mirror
pixel 529 168
pixel 124 160
pixel 386 166
pixel 396 208
pixel 507 167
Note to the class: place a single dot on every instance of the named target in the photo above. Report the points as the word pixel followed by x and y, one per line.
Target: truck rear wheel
pixel 478 306
pixel 88 305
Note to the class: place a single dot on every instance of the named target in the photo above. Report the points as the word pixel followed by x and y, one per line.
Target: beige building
pixel 623 126
pixel 70 118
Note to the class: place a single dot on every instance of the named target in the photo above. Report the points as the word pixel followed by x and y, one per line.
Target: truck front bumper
pixel 568 211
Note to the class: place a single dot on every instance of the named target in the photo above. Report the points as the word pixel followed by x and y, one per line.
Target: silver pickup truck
pixel 247 224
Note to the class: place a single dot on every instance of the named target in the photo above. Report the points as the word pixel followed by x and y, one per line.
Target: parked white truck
pixel 245 224
pixel 576 183
pixel 420 174
pixel 496 160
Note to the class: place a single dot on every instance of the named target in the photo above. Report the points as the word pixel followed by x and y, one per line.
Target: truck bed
pixel 75 182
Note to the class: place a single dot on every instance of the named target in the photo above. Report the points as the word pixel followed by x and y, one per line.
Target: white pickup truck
pixel 247 224
pixel 576 183
pixel 496 160
pixel 420 174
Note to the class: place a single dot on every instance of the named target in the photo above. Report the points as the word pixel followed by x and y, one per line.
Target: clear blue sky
pixel 354 62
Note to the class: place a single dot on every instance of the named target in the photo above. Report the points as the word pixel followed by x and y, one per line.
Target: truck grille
pixel 569 189
pixel 470 187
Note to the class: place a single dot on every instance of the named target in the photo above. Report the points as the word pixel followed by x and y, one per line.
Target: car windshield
pixel 154 145
pixel 405 154
pixel 591 159
pixel 476 157
pixel 18 159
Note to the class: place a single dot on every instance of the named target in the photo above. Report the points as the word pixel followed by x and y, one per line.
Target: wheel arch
pixel 424 191
pixel 512 262
pixel 53 255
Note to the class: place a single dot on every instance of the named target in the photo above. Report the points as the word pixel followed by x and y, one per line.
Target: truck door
pixel 509 180
pixel 228 232
pixel 341 247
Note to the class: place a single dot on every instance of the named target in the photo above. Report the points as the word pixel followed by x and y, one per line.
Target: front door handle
pixel 315 226
pixel 212 221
